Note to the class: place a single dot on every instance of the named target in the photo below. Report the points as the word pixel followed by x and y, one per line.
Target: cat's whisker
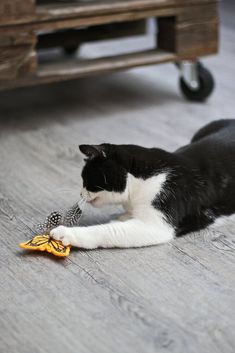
pixel 100 187
pixel 83 199
pixel 105 180
pixel 82 203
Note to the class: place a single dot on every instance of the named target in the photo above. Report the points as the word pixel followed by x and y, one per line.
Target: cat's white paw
pixel 74 237
pixel 64 234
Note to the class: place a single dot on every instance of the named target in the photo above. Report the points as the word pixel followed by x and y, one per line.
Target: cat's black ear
pixel 92 151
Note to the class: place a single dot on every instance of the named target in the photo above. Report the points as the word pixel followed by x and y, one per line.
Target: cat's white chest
pixel 144 191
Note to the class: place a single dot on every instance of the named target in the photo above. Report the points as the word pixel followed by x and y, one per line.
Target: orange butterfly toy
pixel 46 243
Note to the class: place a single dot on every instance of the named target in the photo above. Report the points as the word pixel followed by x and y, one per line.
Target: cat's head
pixel 104 178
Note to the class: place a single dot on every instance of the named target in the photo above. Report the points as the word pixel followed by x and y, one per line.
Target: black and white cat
pixel 165 195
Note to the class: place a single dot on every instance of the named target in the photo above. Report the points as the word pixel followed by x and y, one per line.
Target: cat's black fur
pixel 200 185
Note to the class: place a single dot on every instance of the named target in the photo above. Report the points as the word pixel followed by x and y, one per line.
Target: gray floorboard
pixel 178 297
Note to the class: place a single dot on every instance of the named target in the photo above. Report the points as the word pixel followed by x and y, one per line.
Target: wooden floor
pixel 177 297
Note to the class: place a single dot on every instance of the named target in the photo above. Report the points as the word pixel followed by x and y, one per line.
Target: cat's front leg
pixel 131 233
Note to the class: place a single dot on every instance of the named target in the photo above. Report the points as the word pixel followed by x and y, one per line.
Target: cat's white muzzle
pixel 90 197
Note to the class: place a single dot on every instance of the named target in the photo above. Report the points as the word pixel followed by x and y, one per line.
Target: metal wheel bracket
pixel 189 73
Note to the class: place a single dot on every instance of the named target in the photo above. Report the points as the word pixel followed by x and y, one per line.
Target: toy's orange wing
pixel 37 243
pixel 45 243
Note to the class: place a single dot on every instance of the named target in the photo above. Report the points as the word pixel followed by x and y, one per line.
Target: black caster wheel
pixel 71 50
pixel 205 88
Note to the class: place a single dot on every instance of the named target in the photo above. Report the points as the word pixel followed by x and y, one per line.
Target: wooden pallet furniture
pixel 187 30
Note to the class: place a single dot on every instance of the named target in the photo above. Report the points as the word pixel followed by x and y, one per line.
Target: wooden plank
pixel 16 61
pixel 24 11
pixel 75 68
pixel 16 10
pixel 17 55
pixel 188 40
pixel 190 33
pixel 66 10
pixel 197 32
pixel 17 38
pixel 79 22
pixel 84 15
pixel 199 13
pixel 29 66
pixel 195 40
